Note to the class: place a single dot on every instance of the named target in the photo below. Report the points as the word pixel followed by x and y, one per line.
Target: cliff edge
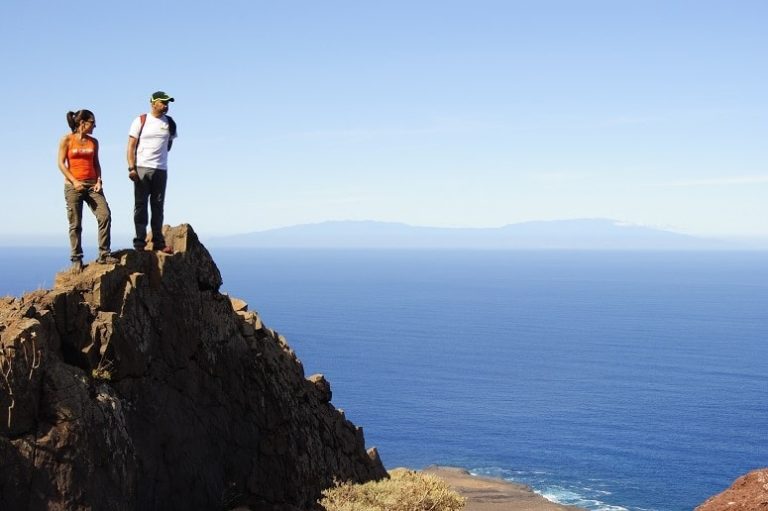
pixel 139 385
pixel 748 493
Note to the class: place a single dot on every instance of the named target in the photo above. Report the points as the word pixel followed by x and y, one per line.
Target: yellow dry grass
pixel 406 490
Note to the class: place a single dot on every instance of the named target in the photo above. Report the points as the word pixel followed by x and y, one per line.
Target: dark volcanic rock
pixel 140 386
pixel 747 493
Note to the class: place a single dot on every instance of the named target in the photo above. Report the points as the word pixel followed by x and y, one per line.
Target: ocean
pixel 608 380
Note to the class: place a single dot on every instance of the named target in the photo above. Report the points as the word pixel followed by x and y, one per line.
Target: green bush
pixel 406 490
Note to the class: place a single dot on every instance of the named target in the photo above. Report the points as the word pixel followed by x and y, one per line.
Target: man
pixel 149 140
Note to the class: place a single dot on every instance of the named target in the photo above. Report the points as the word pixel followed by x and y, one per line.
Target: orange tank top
pixel 80 156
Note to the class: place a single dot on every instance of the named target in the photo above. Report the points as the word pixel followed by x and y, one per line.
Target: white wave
pixel 566 496
pixel 588 496
pixel 596 490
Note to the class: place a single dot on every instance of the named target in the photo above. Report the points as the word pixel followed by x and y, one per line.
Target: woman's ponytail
pixel 71 120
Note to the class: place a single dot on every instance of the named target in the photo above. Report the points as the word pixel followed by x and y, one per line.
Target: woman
pixel 79 162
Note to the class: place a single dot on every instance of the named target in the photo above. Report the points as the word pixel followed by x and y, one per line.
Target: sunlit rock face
pixel 139 386
pixel 747 493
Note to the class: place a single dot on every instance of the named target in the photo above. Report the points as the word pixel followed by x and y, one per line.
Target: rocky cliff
pixel 140 386
pixel 747 493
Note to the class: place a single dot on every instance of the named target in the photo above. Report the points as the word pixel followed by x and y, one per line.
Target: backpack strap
pixel 171 129
pixel 143 121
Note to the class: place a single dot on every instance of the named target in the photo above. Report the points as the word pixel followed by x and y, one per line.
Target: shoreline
pixel 494 494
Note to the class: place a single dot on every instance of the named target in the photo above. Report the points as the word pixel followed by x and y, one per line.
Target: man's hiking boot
pixel 107 259
pixel 77 266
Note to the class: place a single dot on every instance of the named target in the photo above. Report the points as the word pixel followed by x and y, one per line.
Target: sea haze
pixel 572 234
pixel 579 234
pixel 609 380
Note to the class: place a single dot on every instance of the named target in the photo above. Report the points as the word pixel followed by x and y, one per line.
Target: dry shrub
pixel 406 490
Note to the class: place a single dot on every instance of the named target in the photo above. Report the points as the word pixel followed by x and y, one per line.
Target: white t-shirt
pixel 153 144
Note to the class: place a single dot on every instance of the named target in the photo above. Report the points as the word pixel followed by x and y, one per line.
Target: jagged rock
pixel 322 386
pixel 139 386
pixel 747 493
pixel 373 453
pixel 238 305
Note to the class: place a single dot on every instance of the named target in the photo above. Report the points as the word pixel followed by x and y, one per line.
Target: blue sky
pixel 443 113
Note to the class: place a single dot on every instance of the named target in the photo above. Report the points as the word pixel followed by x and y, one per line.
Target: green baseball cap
pixel 160 96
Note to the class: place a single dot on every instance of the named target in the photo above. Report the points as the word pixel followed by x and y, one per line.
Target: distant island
pixel 581 234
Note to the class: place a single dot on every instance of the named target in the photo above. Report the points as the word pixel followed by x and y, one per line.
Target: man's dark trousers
pixel 149 189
